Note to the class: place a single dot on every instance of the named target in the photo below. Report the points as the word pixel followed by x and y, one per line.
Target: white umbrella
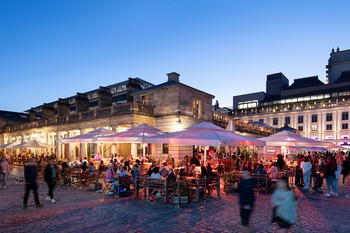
pixel 231 126
pixel 89 137
pixel 10 145
pixel 205 134
pixel 137 134
pixel 288 138
pixel 33 144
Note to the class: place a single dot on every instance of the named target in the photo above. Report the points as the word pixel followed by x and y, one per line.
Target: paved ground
pixel 88 211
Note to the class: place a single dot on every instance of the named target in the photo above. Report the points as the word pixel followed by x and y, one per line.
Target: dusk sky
pixel 54 49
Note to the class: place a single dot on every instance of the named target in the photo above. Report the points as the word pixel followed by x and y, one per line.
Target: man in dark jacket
pixel 50 178
pixel 30 175
pixel 246 197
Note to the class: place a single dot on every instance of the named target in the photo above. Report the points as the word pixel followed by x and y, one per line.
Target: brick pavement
pixel 88 211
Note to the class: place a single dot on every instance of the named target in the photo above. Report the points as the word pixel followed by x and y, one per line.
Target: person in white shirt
pixel 306 167
pixel 273 171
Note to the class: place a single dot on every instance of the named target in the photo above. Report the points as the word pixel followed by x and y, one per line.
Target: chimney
pixel 48 111
pixel 173 76
pixel 63 107
pixel 81 102
pixel 31 115
pixel 104 97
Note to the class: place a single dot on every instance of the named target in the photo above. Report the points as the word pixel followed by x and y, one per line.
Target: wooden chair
pixel 107 185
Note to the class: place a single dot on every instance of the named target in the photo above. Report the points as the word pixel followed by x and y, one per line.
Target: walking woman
pixel 306 168
pixel 284 204
pixel 50 178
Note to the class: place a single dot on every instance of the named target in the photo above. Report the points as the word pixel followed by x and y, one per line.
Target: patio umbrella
pixel 10 145
pixel 33 144
pixel 231 126
pixel 205 134
pixel 89 137
pixel 288 138
pixel 137 134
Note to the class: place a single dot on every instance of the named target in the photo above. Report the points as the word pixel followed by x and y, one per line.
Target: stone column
pixel 133 149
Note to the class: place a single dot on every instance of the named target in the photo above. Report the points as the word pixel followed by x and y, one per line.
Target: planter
pixel 229 188
pixel 183 200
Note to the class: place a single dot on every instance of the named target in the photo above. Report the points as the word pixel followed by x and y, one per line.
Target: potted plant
pixel 229 182
pixel 181 192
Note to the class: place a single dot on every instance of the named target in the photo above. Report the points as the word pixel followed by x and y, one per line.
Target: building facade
pixel 169 106
pixel 318 110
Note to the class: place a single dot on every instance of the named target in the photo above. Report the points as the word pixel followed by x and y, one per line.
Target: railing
pixel 222 121
pixel 116 110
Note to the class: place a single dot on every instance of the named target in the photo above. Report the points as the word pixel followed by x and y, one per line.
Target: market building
pixel 169 106
pixel 317 110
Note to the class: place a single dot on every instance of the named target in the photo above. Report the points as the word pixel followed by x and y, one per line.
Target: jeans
pixel 51 184
pixel 335 185
pixel 306 177
pixel 330 183
pixel 3 177
pixel 26 194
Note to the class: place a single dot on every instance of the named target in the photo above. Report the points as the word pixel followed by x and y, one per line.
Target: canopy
pixel 205 134
pixel 288 138
pixel 89 137
pixel 231 126
pixel 137 134
pixel 10 145
pixel 33 144
pixel 313 148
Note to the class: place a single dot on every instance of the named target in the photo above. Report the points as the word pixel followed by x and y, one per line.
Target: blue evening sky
pixel 54 49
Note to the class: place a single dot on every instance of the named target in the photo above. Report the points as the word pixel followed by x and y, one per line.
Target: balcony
pixel 116 110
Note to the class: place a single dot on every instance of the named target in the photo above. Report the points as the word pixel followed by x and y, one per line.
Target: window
pixel 287 120
pixel 300 128
pixel 345 126
pixel 300 119
pixel 314 118
pixel 329 127
pixel 165 149
pixel 144 99
pixel 329 117
pixel 313 127
pixel 196 108
pixel 261 120
pixel 275 121
pixel 345 116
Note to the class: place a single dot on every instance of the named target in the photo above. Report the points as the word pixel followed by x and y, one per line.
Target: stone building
pixel 169 106
pixel 318 110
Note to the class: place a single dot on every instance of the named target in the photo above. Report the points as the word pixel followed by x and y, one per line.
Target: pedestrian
pixel 284 206
pixel 246 197
pixel 339 161
pixel 329 174
pixel 306 168
pixel 50 178
pixel 30 176
pixel 4 171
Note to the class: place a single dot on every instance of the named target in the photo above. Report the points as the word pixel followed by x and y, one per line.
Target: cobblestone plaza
pixel 88 211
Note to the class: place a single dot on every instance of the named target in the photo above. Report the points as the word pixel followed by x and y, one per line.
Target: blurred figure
pixel 50 175
pixel 30 175
pixel 4 171
pixel 246 197
pixel 284 206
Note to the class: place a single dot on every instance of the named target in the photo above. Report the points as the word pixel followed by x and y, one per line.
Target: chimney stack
pixel 63 107
pixel 81 102
pixel 104 97
pixel 173 76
